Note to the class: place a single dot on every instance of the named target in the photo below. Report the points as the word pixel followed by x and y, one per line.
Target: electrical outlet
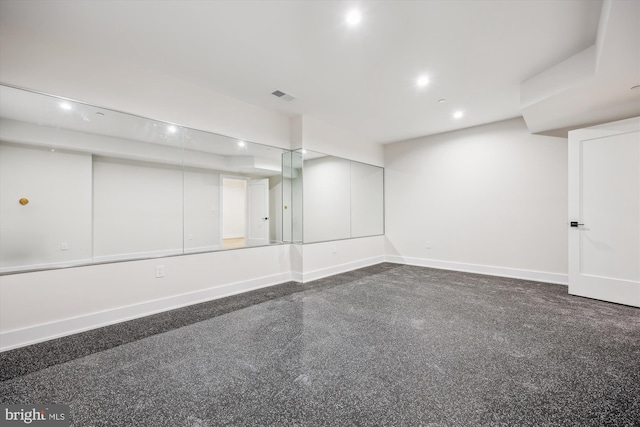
pixel 159 271
pixel 64 246
pixel 427 244
pixel 334 249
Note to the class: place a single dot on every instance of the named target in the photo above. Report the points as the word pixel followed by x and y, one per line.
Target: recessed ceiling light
pixel 458 114
pixel 241 143
pixel 65 106
pixel 442 101
pixel 422 81
pixel 172 129
pixel 303 151
pixel 354 17
pixel 635 87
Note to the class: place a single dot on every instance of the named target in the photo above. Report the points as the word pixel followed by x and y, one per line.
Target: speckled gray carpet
pixel 386 345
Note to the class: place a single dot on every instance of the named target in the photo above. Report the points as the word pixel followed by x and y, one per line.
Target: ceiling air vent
pixel 282 95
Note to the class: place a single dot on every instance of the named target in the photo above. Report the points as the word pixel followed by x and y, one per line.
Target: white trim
pixel 200 249
pixel 133 256
pixel 342 268
pixel 297 276
pixel 537 276
pixel 47 265
pixel 35 334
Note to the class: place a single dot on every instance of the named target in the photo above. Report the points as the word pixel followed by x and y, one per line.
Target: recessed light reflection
pixel 241 144
pixel 422 81
pixel 458 114
pixel 172 129
pixel 353 18
pixel 66 106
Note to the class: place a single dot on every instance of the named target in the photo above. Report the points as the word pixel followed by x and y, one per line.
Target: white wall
pixel 327 139
pixel 490 196
pixel 58 187
pixel 328 258
pixel 41 305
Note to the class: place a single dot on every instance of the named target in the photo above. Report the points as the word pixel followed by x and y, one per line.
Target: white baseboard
pixel 35 334
pixel 537 276
pixel 342 268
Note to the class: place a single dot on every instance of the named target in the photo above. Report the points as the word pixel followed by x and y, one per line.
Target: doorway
pixel 245 212
pixel 234 206
pixel 604 212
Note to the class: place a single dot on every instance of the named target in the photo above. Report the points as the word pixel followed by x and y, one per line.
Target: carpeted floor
pixel 387 345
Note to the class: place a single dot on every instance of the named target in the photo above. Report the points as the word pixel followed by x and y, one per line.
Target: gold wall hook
pixel 23 201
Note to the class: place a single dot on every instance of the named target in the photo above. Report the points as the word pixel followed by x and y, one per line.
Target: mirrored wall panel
pixel 81 184
pixel 342 199
pixel 296 196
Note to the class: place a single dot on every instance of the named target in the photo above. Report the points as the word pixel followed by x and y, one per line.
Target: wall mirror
pixel 81 184
pixel 341 198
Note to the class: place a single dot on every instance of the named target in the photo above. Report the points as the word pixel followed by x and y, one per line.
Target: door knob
pixel 575 224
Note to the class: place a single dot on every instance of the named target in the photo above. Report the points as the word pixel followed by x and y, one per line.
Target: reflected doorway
pixel 234 207
pixel 245 212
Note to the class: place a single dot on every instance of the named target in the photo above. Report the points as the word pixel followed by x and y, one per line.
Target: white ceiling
pixel 476 53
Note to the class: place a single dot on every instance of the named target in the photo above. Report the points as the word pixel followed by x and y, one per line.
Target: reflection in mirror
pixel 367 200
pixel 326 207
pixel 286 196
pixel 103 185
pixel 233 193
pixel 296 195
pixel 342 198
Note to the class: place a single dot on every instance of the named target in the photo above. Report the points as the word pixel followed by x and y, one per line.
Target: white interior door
pixel 604 212
pixel 257 212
